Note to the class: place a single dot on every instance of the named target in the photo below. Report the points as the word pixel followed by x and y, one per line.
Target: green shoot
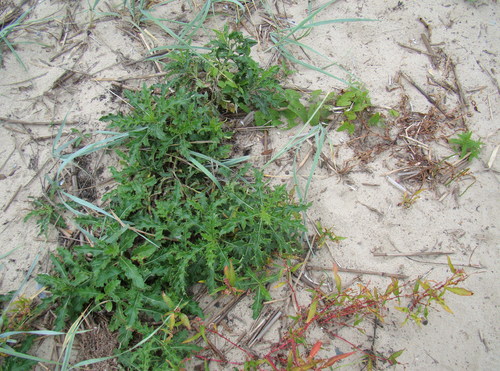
pixel 465 146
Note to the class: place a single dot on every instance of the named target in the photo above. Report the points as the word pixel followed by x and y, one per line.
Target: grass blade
pixel 288 55
pixel 84 203
pixel 38 332
pixel 93 147
pixel 12 352
pixel 204 170
pixel 21 287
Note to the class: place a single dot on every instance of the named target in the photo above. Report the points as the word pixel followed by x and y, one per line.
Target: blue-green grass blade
pixel 87 204
pixel 93 147
pixel 310 66
pixel 307 19
pixel 20 288
pixel 11 352
pixel 226 164
pixel 37 332
pixel 204 170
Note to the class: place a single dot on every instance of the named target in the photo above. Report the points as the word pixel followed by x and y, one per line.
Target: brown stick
pixel 126 78
pixel 267 152
pixel 22 122
pixel 460 90
pixel 492 78
pixel 427 96
pixel 12 198
pixel 265 328
pixel 423 253
pixel 10 155
pixel 362 271
pixel 217 317
pixel 212 346
pixel 432 55
pixel 414 49
pixel 143 39
pixel 444 84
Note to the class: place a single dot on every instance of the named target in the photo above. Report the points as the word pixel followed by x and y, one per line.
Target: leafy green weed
pixel 464 145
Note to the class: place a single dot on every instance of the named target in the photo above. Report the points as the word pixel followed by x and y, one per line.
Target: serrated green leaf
pixel 108 306
pixel 350 115
pixel 185 320
pixel 375 119
pixel 192 338
pixel 346 125
pixel 346 99
pixel 230 274
pixel 111 287
pixel 394 113
pixel 169 302
pixel 143 252
pixel 261 294
pixel 112 250
pixel 131 272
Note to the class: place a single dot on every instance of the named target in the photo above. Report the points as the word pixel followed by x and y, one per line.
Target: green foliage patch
pixel 464 145
pixel 182 211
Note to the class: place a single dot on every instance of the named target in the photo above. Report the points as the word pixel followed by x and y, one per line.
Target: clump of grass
pixel 7 28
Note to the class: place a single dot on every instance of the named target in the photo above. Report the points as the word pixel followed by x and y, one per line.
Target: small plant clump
pixel 464 145
pixel 228 76
pixel 360 308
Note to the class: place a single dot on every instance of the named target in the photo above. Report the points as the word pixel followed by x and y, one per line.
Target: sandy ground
pixel 360 203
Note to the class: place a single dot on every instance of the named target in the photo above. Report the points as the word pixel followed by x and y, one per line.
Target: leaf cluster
pixel 315 110
pixel 46 214
pixel 465 145
pixel 233 80
pixel 355 100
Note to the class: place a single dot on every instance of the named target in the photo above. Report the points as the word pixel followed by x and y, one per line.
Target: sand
pixel 354 198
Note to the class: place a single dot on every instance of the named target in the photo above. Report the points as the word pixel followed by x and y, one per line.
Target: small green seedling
pixel 46 214
pixel 355 101
pixel 410 199
pixel 466 146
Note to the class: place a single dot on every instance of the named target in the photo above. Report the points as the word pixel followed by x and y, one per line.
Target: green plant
pixel 361 309
pixel 16 318
pixel 317 109
pixel 183 213
pixel 180 213
pixel 465 146
pixel 229 75
pixel 17 336
pixel 410 199
pixel 132 11
pixel 355 100
pixel 47 214
pixel 11 23
pixel 6 29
